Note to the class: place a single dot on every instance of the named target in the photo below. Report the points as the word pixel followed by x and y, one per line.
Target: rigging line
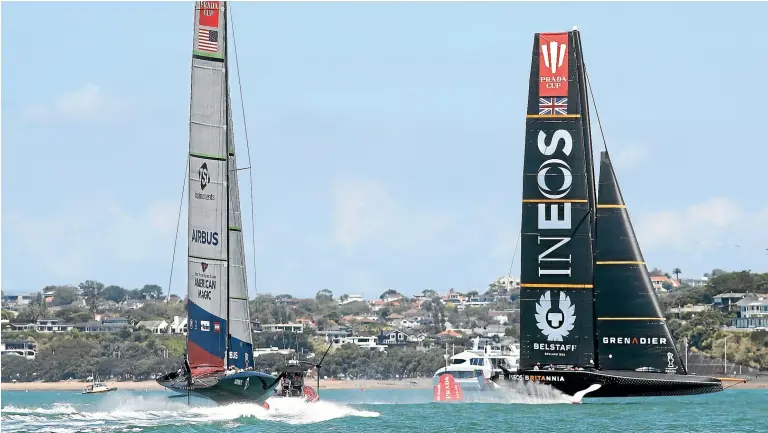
pixel 597 113
pixel 248 147
pixel 514 254
pixel 178 222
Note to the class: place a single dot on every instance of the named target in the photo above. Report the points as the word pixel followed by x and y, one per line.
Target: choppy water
pixel 383 411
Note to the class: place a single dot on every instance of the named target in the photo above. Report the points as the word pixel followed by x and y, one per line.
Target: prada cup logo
pixel 204 177
pixel 670 360
pixel 555 323
pixel 553 55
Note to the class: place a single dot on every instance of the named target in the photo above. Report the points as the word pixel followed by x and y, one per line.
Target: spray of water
pixel 135 413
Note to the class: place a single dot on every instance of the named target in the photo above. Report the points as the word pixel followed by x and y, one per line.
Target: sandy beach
pixel 150 385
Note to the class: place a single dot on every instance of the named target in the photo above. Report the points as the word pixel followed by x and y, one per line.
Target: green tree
pixel 677 273
pixel 388 292
pixel 151 291
pixel 91 291
pixel 324 295
pixel 62 295
pixel 115 294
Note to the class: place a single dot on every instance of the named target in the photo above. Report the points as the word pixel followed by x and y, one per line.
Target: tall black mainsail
pixel 631 330
pixel 588 313
pixel 557 325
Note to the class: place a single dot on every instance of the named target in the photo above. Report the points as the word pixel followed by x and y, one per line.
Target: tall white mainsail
pixel 208 250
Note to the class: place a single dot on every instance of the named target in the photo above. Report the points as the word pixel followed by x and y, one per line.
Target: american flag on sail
pixel 208 40
pixel 553 105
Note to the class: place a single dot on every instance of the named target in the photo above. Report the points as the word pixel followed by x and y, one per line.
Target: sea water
pixel 360 411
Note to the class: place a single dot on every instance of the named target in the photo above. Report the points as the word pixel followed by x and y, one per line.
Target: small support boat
pixel 98 388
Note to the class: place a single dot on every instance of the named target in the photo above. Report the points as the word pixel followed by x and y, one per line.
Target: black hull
pixel 620 383
pixel 241 387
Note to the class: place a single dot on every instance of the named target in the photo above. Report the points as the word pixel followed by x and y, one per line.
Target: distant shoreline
pixel 151 385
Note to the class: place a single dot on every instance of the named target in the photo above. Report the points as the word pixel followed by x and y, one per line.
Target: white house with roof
pixel 178 326
pixel 154 326
pixel 351 298
pixel 753 312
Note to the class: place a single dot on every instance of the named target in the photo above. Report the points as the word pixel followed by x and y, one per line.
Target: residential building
pixel 501 317
pixel 753 312
pixel 658 283
pixel 14 302
pixel 364 341
pixel 296 328
pixel 23 348
pixel 393 338
pixel 154 326
pixel 691 309
pixel 351 298
pixel 727 301
pixel 178 325
pixel 694 282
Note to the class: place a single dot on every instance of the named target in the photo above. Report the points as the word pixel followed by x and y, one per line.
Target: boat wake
pixel 520 393
pixel 135 414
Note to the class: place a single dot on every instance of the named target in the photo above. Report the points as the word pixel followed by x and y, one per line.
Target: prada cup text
pixel 553 82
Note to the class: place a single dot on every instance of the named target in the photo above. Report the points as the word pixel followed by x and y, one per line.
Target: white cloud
pixel 715 223
pixel 365 212
pixel 87 104
pixel 75 242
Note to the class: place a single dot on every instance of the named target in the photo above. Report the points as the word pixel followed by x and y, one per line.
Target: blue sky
pixel 386 138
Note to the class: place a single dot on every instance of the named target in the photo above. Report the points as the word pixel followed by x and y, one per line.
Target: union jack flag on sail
pixel 553 105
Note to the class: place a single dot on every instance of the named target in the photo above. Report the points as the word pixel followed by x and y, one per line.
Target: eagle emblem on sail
pixel 555 324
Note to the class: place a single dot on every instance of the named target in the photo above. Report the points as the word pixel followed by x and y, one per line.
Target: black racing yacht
pixel 589 314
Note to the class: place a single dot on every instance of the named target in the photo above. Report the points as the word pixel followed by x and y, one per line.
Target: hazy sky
pixel 386 138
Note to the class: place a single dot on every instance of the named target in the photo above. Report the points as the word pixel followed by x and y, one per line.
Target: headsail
pixel 632 333
pixel 241 343
pixel 208 250
pixel 557 318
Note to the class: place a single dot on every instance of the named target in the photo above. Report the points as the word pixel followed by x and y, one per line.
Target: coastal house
pixel 393 338
pixel 363 341
pixel 394 319
pixel 154 326
pixel 753 312
pixel 690 309
pixel 178 325
pixel 296 328
pixel 658 283
pixel 24 348
pixel 499 317
pixel 449 334
pixel 14 302
pixel 727 301
pixel 417 338
pixel 350 298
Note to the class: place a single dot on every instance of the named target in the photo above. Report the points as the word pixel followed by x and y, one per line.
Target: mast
pixel 632 331
pixel 557 312
pixel 228 111
pixel 586 134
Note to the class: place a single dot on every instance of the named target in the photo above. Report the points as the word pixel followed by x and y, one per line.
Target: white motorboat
pixel 475 369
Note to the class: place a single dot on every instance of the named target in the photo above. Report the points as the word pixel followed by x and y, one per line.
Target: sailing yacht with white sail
pixel 219 343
